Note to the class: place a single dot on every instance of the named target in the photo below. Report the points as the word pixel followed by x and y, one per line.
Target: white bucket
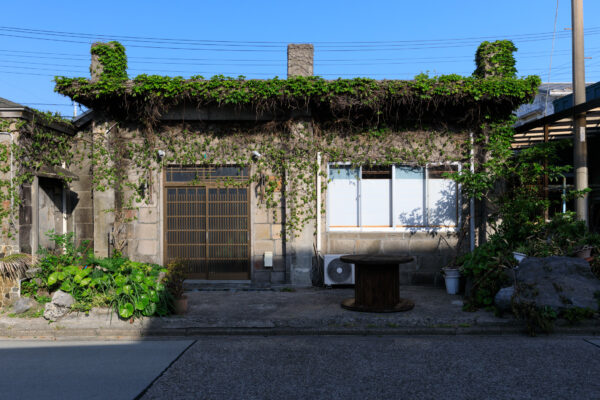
pixel 452 277
pixel 519 256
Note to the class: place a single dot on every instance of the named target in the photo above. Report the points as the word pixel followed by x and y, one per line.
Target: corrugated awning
pixel 55 173
pixel 558 125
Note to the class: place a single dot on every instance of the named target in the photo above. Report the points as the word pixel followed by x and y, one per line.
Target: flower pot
pixel 519 256
pixel 452 278
pixel 585 252
pixel 180 305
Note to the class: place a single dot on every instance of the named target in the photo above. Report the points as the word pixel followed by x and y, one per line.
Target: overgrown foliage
pixel 35 144
pixel 517 216
pixel 496 59
pixel 112 61
pixel 175 277
pixel 360 102
pixel 361 121
pixel 133 289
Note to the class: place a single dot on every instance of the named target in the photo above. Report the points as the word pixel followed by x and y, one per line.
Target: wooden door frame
pixel 207 185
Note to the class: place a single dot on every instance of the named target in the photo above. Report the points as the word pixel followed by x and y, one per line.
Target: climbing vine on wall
pixel 112 60
pixel 34 144
pixel 288 158
pixel 361 121
pixel 496 59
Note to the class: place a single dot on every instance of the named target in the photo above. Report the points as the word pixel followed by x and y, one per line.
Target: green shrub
pixel 175 277
pixel 489 264
pixel 132 288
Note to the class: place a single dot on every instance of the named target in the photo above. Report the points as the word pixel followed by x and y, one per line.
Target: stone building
pixel 44 201
pixel 173 203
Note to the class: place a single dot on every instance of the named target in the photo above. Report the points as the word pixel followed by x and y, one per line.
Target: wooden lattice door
pixel 207 225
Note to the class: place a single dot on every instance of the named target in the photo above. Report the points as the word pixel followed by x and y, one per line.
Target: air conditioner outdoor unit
pixel 336 271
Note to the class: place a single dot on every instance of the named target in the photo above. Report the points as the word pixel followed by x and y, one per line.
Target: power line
pixel 94 36
pixel 35 54
pixel 241 47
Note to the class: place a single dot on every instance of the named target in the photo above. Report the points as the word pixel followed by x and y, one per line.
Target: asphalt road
pixel 304 367
pixel 68 370
pixel 350 367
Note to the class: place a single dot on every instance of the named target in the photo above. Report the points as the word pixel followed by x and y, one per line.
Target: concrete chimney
pixel 96 67
pixel 300 60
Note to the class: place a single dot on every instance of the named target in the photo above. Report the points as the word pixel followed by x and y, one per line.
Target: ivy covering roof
pixel 449 98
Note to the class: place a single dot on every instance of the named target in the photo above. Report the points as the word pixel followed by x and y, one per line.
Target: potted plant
pixel 174 283
pixel 452 278
pixel 520 253
pixel 585 245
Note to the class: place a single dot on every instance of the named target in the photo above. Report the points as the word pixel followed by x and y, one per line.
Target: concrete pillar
pixel 96 67
pixel 35 213
pixel 300 60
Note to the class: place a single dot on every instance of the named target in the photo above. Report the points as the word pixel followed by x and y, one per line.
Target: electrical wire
pixel 538 35
pixel 550 66
pixel 221 46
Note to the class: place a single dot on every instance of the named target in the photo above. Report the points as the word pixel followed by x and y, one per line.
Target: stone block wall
pixel 80 196
pixel 266 235
pixel 25 219
pixel 9 291
pixel 145 232
pixel 431 250
pixel 8 245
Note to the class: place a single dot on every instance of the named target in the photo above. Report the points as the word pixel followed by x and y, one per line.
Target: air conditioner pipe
pixel 472 201
pixel 318 203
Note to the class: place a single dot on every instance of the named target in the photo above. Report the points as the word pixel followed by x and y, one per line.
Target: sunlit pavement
pixel 82 369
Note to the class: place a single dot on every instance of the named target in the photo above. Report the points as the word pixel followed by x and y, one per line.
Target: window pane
pixel 409 196
pixel 376 172
pixel 343 172
pixel 442 202
pixel 375 202
pixel 342 197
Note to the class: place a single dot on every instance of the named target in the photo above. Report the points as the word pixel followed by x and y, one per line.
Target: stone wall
pixel 293 258
pixel 9 291
pixel 266 236
pixel 431 250
pixel 8 244
pixel 80 203
pixel 145 232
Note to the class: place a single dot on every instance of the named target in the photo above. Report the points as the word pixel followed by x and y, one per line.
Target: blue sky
pixel 378 39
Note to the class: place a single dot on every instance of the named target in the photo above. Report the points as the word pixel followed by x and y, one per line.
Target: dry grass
pixel 15 265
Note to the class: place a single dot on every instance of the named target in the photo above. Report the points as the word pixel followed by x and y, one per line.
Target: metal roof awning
pixel 55 173
pixel 558 125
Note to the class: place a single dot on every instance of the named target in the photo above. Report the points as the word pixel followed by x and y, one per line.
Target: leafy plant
pixel 174 279
pixel 576 314
pixel 538 319
pixel 132 288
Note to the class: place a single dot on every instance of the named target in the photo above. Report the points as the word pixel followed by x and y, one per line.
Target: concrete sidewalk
pixel 278 311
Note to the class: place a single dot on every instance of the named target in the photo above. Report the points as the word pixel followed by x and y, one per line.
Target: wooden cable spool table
pixel 377 283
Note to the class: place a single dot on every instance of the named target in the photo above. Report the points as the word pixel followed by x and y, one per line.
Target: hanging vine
pixel 361 121
pixel 34 144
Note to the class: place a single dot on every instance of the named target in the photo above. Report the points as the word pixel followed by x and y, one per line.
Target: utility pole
pixel 579 122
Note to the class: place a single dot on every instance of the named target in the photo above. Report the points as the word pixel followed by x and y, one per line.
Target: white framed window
pixel 398 197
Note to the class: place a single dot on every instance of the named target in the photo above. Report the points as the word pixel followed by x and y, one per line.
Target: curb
pixel 172 333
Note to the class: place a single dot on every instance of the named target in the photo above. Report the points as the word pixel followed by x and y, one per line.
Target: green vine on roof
pixel 112 61
pixel 364 100
pixel 496 59
pixel 392 122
